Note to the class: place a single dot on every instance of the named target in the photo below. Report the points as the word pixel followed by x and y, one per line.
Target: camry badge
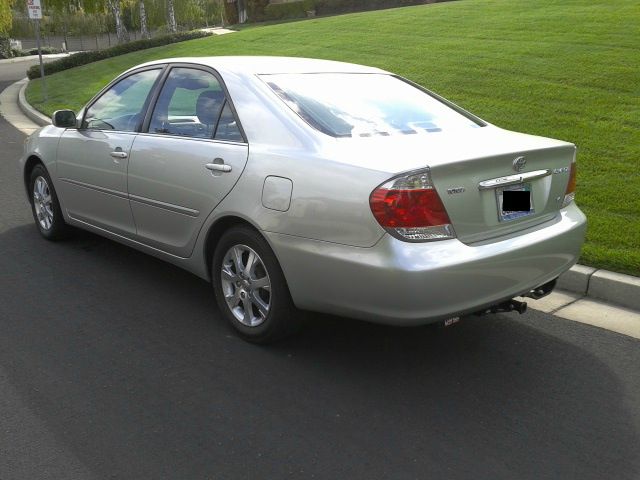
pixel 519 163
pixel 454 190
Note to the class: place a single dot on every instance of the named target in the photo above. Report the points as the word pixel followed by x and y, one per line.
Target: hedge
pixel 330 7
pixel 279 11
pixel 83 58
pixel 256 10
pixel 33 51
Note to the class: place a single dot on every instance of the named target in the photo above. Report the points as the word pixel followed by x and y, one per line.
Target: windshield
pixel 364 105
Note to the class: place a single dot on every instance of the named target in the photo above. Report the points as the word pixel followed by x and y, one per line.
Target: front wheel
pixel 250 287
pixel 45 205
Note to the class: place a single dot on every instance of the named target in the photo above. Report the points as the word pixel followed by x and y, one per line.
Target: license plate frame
pixel 509 216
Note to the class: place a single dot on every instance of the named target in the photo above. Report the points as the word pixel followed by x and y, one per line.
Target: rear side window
pixel 364 105
pixel 189 104
pixel 228 126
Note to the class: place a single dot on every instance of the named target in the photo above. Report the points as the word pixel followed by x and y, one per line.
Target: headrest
pixel 209 105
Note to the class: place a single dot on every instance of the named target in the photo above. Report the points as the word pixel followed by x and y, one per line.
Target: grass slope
pixel 561 68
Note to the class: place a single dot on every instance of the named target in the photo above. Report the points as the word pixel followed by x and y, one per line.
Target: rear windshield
pixel 364 105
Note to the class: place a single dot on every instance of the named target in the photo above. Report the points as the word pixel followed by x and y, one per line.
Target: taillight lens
pixel 570 193
pixel 410 208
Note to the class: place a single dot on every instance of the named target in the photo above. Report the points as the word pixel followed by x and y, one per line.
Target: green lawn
pixel 568 69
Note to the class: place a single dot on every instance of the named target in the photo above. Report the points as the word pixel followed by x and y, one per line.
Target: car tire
pixel 251 289
pixel 45 206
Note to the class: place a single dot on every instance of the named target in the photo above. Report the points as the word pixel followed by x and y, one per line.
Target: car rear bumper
pixel 403 283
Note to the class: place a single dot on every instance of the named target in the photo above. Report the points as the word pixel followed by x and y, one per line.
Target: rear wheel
pixel 45 205
pixel 250 287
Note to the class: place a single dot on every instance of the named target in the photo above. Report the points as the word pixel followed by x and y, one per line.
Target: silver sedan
pixel 297 184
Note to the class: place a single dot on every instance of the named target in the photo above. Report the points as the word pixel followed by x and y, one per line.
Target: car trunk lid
pixel 471 169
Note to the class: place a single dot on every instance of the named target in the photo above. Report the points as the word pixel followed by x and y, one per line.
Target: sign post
pixel 35 13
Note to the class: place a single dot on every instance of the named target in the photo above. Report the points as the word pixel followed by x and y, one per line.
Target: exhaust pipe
pixel 508 306
pixel 541 291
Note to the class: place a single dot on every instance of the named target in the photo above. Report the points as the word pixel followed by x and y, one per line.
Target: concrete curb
pixel 617 288
pixel 577 279
pixel 609 286
pixel 33 114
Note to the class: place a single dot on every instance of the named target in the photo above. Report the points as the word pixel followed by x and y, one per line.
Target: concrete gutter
pixel 33 114
pixel 580 280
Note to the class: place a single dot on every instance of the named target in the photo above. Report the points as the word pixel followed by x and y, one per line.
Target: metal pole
pixel 44 83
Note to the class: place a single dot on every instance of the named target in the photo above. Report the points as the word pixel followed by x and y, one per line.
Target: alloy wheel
pixel 43 203
pixel 246 285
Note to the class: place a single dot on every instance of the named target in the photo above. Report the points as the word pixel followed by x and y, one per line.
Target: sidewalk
pixel 584 294
pixel 33 57
pixel 11 111
pixel 217 30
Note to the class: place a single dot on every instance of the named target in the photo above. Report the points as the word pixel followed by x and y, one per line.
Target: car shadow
pixel 126 361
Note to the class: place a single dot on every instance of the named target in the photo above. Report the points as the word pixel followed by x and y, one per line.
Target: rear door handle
pixel 218 167
pixel 119 154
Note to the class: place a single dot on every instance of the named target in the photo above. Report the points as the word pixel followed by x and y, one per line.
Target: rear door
pixel 188 158
pixel 92 161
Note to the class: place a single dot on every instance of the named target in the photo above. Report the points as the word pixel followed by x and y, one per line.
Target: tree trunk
pixel 171 17
pixel 144 28
pixel 121 30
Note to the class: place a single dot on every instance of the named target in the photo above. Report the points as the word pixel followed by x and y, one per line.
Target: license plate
pixel 514 202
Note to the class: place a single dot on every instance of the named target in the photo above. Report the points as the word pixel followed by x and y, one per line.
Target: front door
pixel 188 160
pixel 93 160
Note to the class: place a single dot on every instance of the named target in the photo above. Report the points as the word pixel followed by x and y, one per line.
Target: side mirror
pixel 64 119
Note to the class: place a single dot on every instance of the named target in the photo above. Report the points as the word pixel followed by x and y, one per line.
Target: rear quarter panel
pixel 329 200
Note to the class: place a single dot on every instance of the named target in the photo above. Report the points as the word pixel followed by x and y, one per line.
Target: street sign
pixel 35 9
pixel 35 13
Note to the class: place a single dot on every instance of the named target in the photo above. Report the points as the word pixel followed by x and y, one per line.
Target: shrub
pixel 5 47
pixel 279 11
pixel 256 10
pixel 83 58
pixel 44 50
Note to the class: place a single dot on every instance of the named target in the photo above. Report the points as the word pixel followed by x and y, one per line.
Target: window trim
pixel 156 94
pixel 160 66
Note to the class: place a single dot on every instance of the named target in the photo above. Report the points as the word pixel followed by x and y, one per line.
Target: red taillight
pixel 410 208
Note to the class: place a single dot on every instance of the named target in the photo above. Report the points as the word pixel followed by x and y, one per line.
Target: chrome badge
pixel 519 163
pixel 454 190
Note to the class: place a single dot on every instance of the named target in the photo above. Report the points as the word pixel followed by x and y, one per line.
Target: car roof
pixel 255 65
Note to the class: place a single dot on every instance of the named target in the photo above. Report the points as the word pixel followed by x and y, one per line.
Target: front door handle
pixel 218 167
pixel 119 154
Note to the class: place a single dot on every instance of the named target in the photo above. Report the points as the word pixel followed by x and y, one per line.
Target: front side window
pixel 120 107
pixel 189 104
pixel 364 105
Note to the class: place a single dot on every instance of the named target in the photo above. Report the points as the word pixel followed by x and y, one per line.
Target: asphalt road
pixel 10 72
pixel 116 365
